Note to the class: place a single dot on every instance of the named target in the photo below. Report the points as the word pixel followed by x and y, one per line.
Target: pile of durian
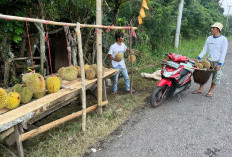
pixel 34 85
pixel 72 72
pixel 204 64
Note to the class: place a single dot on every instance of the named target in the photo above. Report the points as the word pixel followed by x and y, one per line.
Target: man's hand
pixel 196 60
pixel 218 67
pixel 132 51
pixel 116 60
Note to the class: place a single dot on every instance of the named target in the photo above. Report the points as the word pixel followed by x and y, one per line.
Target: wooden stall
pixel 37 109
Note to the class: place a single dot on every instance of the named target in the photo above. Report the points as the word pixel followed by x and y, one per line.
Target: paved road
pixel 189 126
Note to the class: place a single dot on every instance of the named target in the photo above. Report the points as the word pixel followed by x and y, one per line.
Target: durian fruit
pixel 53 84
pixel 39 95
pixel 17 88
pixel 70 73
pixel 26 95
pixel 119 56
pixel 61 72
pixel 61 81
pixel 133 58
pixel 12 100
pixel 86 67
pixel 90 74
pixel 94 67
pixel 35 82
pixel 199 65
pixel 206 64
pixel 79 70
pixel 3 95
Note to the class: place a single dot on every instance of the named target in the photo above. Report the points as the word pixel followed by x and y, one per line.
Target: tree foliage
pixel 157 31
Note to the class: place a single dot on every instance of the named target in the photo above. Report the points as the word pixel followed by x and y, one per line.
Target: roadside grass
pixel 67 140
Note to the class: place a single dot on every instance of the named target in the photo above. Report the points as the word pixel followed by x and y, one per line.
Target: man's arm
pixel 204 51
pixel 111 57
pixel 223 51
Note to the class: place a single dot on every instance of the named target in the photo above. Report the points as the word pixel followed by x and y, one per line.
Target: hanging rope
pixel 47 40
pixel 30 47
pixel 68 32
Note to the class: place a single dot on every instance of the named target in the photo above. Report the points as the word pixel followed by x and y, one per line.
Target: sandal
pixel 209 94
pixel 197 92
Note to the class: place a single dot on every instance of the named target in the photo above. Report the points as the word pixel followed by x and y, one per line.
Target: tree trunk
pixel 68 40
pixel 74 49
pixel 23 45
pixel 8 66
pixel 42 46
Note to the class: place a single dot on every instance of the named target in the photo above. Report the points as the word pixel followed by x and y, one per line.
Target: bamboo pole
pixel 131 84
pixel 99 55
pixel 55 123
pixel 83 93
pixel 18 18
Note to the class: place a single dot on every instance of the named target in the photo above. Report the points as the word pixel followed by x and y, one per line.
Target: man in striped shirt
pixel 216 47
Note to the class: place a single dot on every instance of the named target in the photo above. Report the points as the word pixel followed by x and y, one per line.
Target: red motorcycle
pixel 176 77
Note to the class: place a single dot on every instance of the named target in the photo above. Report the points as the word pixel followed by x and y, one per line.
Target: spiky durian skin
pixel 17 88
pixel 12 100
pixel 39 95
pixel 35 82
pixel 133 58
pixel 90 74
pixel 119 56
pixel 94 67
pixel 79 70
pixel 53 84
pixel 206 64
pixel 199 65
pixel 86 67
pixel 3 95
pixel 26 95
pixel 61 72
pixel 70 73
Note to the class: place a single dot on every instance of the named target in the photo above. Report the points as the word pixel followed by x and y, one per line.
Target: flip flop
pixel 209 94
pixel 197 92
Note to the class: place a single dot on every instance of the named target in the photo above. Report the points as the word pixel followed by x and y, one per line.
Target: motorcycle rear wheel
pixel 158 95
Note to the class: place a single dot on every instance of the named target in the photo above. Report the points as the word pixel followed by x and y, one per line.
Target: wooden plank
pixel 50 110
pixel 3 110
pixel 6 133
pixel 37 106
pixel 25 58
pixel 55 123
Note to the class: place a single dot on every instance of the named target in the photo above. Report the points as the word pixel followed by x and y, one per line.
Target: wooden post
pixel 83 95
pixel 99 54
pixel 104 90
pixel 19 143
pixel 130 41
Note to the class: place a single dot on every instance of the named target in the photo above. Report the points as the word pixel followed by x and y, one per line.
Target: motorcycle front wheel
pixel 158 95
